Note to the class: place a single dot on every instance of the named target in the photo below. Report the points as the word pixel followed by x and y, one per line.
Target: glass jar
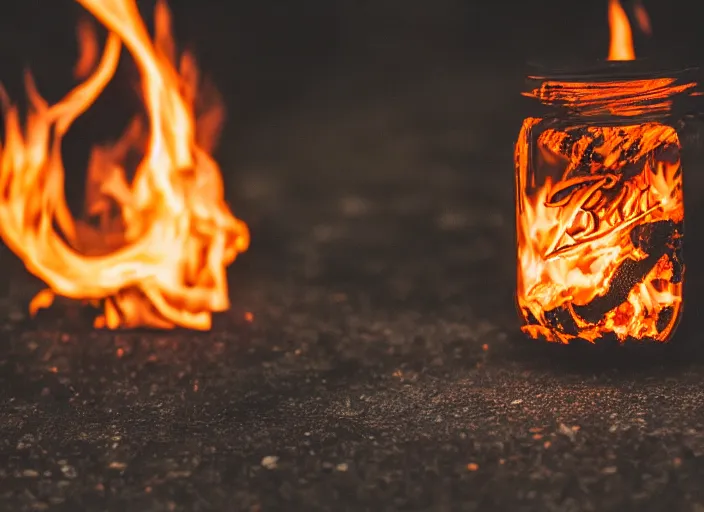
pixel 600 203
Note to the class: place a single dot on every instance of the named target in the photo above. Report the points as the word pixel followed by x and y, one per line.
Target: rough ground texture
pixel 382 369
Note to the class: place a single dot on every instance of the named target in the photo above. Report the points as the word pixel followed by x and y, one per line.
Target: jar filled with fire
pixel 600 203
pixel 600 195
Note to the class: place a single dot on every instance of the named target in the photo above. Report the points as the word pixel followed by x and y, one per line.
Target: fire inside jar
pixel 600 217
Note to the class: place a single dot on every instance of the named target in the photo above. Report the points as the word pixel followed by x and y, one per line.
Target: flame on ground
pixel 153 250
pixel 600 209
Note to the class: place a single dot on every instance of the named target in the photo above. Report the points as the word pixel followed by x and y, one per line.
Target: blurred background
pixel 364 139
pixel 369 147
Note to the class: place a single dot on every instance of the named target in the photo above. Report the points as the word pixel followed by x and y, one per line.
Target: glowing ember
pixel 153 250
pixel 600 208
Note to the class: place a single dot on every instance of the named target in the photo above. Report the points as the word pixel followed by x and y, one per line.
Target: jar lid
pixel 616 92
pixel 606 71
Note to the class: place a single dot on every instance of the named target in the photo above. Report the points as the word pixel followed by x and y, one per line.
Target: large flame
pixel 600 208
pixel 152 249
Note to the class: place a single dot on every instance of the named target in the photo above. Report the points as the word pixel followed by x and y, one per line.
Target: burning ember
pixel 599 206
pixel 153 248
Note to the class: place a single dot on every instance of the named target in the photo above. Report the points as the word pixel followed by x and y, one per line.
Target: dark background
pixel 369 148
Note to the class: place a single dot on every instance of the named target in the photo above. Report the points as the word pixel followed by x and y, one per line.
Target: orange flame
pixel 643 18
pixel 621 46
pixel 88 48
pixel 152 249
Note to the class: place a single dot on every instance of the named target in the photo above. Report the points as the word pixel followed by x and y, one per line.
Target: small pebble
pixel 567 431
pixel 69 471
pixel 270 461
pixel 15 315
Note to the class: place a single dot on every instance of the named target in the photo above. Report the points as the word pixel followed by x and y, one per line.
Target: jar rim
pixel 609 71
pixel 616 91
